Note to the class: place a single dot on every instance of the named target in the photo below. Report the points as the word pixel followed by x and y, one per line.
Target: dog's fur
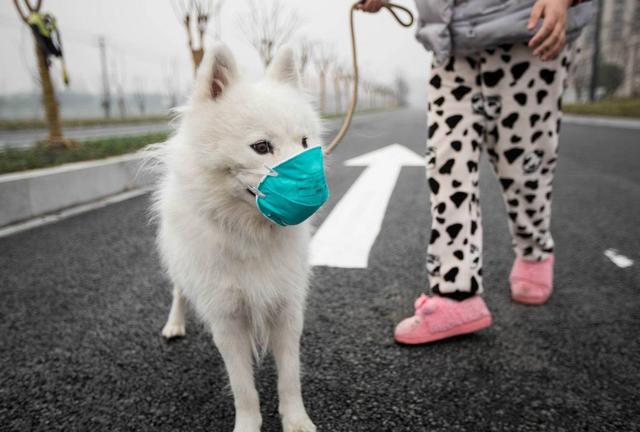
pixel 246 277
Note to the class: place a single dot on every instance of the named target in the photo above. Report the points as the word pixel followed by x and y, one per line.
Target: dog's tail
pixel 260 336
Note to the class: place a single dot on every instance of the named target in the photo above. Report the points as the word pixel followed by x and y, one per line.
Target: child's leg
pixel 456 122
pixel 455 135
pixel 522 142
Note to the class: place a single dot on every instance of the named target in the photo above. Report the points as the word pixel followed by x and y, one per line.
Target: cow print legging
pixel 509 102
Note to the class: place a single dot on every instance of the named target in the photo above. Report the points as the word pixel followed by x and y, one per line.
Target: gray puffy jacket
pixel 464 27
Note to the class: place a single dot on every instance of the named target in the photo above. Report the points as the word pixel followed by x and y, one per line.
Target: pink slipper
pixel 532 281
pixel 440 318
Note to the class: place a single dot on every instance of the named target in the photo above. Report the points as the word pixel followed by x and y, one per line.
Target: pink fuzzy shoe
pixel 532 281
pixel 440 318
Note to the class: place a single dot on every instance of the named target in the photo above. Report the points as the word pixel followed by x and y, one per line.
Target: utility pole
pixel 595 61
pixel 117 78
pixel 106 95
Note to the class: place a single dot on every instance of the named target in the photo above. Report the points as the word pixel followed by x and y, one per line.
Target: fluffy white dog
pixel 245 276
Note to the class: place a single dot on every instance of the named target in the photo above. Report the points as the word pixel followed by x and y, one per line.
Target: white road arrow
pixel 348 233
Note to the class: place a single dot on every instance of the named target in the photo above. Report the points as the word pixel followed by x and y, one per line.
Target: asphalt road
pixel 26 138
pixel 82 303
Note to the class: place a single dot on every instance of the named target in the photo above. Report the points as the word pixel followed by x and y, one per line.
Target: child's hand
pixel 372 6
pixel 550 39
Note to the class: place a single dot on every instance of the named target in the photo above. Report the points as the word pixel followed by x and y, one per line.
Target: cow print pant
pixel 508 102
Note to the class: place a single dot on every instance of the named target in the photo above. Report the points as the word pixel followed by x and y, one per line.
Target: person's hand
pixel 372 6
pixel 551 37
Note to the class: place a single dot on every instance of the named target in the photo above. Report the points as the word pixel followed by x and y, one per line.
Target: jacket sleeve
pixel 433 27
pixel 577 2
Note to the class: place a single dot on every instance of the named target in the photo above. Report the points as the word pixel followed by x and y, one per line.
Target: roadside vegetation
pixel 611 108
pixel 10 125
pixel 42 156
pixel 22 124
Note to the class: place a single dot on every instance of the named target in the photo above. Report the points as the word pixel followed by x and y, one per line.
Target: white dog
pixel 245 276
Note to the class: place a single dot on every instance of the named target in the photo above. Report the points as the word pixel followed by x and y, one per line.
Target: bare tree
pixel 106 88
pixel 373 88
pixel 322 58
pixel 25 9
pixel 268 24
pixel 347 82
pixel 391 100
pixel 194 15
pixel 172 81
pixel 373 94
pixel 380 94
pixel 117 77
pixel 366 93
pixel 3 101
pixel 401 90
pixel 217 14
pixel 305 46
pixel 140 97
pixel 338 72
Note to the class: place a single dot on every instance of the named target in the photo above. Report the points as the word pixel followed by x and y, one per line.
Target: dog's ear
pixel 283 67
pixel 216 73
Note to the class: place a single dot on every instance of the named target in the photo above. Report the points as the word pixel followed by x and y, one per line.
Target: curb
pixel 616 122
pixel 40 192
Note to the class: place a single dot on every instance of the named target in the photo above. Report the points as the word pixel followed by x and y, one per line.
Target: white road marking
pixel 348 233
pixel 619 260
pixel 64 214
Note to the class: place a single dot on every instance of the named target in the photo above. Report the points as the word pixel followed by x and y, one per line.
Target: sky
pixel 147 45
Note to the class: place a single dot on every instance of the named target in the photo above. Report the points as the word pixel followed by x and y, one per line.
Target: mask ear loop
pixel 272 172
pixel 254 190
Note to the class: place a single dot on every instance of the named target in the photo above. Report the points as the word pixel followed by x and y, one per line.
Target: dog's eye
pixel 262 147
pixel 304 142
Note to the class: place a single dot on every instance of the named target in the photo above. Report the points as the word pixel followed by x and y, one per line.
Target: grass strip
pixel 40 156
pixel 629 108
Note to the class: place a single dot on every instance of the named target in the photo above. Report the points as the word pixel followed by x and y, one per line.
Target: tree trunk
pixel 52 115
pixel 196 55
pixel 338 96
pixel 347 91
pixel 322 92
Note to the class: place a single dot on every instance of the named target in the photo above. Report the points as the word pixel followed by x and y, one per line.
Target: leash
pixel 391 7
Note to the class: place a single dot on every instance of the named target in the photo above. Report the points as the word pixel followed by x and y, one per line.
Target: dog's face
pixel 236 128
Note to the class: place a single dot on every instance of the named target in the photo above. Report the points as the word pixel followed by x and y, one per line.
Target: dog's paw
pixel 173 330
pixel 298 423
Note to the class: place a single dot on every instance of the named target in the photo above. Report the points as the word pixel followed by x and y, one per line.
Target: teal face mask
pixel 294 189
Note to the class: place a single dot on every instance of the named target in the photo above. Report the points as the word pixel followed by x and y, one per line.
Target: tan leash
pixel 354 58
